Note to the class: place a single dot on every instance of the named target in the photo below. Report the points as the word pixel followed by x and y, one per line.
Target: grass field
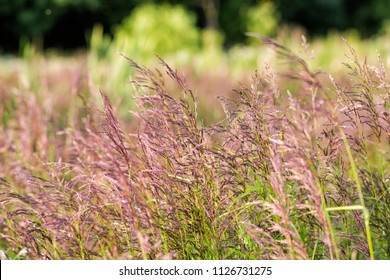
pixel 289 163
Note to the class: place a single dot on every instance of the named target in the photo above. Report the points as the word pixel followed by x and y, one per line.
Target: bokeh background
pixel 206 40
pixel 46 46
pixel 67 24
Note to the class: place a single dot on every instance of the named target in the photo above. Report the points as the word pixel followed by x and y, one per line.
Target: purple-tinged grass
pixel 298 169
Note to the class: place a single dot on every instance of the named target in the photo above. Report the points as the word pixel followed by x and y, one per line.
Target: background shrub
pixel 161 29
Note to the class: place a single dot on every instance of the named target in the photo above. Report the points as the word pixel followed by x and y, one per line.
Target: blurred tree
pixel 24 18
pixel 64 23
pixel 228 16
pixel 61 23
pixel 211 11
pixel 367 16
pixel 262 19
pixel 319 16
pixel 207 11
pixel 162 29
pixel 233 18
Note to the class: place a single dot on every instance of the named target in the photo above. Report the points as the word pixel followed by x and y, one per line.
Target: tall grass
pixel 297 169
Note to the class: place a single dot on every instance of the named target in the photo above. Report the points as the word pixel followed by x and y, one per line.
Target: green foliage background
pixel 66 23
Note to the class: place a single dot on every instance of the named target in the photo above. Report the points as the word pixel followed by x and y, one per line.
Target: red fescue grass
pixel 297 169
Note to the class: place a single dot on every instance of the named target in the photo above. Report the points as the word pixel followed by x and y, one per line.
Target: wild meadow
pixel 279 150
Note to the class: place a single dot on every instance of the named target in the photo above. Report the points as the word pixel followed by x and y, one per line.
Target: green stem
pixel 366 215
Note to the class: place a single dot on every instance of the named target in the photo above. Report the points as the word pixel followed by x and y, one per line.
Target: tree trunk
pixel 210 8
